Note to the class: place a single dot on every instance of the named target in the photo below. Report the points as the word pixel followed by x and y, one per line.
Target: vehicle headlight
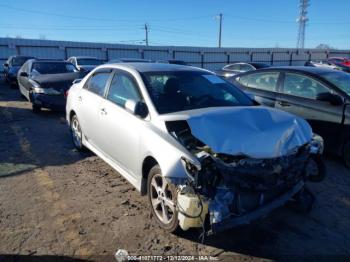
pixel 190 167
pixel 46 91
pixel 316 145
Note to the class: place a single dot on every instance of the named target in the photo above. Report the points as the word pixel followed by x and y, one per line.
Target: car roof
pixel 307 69
pixel 48 60
pixel 126 60
pixel 155 67
pixel 22 56
pixel 85 57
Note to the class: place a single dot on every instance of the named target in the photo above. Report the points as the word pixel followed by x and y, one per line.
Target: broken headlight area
pixel 228 190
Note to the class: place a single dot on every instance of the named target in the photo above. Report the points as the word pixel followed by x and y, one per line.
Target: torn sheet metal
pixel 256 132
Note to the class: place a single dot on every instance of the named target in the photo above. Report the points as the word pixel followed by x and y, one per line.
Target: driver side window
pixel 122 88
pixel 304 86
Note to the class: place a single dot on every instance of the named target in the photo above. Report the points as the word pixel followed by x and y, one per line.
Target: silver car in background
pixel 205 154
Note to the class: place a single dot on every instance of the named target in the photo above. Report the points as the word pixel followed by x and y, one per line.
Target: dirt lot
pixel 58 203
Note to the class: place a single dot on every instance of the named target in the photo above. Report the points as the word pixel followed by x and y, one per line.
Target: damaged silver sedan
pixel 206 155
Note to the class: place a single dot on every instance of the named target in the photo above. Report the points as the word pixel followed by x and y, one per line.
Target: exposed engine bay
pixel 229 190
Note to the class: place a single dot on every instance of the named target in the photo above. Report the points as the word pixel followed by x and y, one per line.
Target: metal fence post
pixel 271 57
pixel 202 59
pixel 290 57
pixel 18 49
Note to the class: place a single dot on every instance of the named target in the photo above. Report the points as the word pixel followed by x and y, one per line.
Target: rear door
pixel 263 86
pixel 298 96
pixel 88 104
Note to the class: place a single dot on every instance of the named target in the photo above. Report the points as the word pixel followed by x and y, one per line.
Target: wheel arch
pixel 147 165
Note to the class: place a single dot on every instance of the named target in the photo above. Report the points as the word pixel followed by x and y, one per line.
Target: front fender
pixel 167 151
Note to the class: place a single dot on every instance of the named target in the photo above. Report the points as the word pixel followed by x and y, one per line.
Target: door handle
pixel 283 103
pixel 103 111
pixel 80 98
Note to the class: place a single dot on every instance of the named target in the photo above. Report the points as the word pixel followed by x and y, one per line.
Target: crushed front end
pixel 231 190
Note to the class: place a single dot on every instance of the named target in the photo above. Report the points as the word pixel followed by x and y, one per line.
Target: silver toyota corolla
pixel 206 155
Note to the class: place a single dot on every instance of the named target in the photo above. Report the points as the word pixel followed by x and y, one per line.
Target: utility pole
pixel 302 20
pixel 146 31
pixel 220 28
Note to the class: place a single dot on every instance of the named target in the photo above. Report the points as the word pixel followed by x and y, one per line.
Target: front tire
pixel 162 199
pixel 77 133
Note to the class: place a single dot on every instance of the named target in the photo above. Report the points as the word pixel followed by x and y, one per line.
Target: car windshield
pixel 19 61
pixel 88 61
pixel 186 90
pixel 340 79
pixel 53 68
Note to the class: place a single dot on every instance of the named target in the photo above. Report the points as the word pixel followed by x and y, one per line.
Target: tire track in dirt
pixel 43 179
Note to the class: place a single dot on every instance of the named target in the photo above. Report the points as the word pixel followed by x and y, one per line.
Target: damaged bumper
pixel 232 192
pixel 261 211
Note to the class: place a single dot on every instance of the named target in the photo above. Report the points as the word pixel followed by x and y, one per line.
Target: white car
pixel 202 150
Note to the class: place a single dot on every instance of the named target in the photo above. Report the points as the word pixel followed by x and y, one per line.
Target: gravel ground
pixel 57 203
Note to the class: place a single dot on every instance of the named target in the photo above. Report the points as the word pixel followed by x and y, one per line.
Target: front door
pixel 298 96
pixel 122 129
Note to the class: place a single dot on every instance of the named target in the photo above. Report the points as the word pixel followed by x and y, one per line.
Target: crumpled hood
pixel 56 80
pixel 256 132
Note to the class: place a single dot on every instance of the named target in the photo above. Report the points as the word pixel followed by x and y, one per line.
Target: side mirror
pixel 137 108
pixel 23 74
pixel 333 99
pixel 6 64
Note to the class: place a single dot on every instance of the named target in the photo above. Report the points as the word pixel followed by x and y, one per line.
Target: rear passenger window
pixel 303 86
pixel 97 83
pixel 122 88
pixel 265 81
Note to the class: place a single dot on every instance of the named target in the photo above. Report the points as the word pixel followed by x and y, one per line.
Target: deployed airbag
pixel 255 132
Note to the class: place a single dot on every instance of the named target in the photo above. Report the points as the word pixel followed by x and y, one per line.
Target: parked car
pixel 11 67
pixel 323 64
pixel 341 62
pixel 173 61
pixel 239 67
pixel 196 144
pixel 85 63
pixel 319 95
pixel 129 60
pixel 45 82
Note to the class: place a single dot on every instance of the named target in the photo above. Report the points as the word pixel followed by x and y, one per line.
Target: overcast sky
pixel 246 23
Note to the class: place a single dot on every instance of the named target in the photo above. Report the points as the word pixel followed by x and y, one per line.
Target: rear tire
pixel 77 133
pixel 162 200
pixel 346 154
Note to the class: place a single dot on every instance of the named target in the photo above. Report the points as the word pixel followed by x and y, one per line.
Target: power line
pixel 32 11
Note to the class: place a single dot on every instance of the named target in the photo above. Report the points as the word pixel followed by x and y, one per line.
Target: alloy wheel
pixel 76 132
pixel 162 199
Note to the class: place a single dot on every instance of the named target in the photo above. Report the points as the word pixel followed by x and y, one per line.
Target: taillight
pixel 66 93
pixel 346 63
